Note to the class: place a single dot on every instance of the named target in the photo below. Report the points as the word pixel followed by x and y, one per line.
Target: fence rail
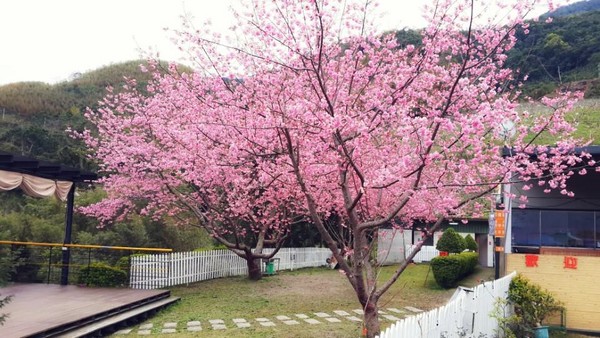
pixel 169 269
pixel 467 314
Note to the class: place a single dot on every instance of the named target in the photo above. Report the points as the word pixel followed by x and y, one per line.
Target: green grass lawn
pixel 288 293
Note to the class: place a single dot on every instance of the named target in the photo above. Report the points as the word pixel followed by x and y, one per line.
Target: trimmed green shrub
pixel 451 242
pixel 470 243
pixel 124 262
pixel 449 270
pixel 531 304
pixel 102 274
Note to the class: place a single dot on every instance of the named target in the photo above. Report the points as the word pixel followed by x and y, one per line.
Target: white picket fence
pixel 169 269
pixel 426 254
pixel 466 315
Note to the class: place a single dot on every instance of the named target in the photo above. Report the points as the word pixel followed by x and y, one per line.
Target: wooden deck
pixel 36 308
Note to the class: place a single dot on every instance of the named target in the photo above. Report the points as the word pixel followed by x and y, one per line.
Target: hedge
pixel 470 243
pixel 449 270
pixel 451 241
pixel 102 274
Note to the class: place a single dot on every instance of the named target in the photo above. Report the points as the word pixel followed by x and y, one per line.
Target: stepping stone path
pixel 194 326
pixel 312 321
pixel 217 324
pixel 390 317
pixel 413 309
pixel 341 313
pixel 395 310
pixel 241 323
pixel 297 319
pixel 265 322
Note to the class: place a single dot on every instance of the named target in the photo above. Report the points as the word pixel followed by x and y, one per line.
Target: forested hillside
pixel 560 52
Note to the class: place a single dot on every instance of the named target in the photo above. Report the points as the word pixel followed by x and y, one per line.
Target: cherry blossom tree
pixel 302 111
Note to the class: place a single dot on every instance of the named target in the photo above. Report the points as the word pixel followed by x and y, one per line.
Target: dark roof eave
pixel 53 171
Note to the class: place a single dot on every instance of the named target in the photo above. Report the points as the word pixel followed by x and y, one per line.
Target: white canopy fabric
pixel 33 185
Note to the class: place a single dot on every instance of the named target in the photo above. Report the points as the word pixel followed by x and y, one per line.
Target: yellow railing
pixel 87 246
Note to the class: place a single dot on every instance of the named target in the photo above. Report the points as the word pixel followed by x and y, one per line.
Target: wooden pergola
pixel 26 172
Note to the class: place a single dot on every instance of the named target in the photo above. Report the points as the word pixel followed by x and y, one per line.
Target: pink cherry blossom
pixel 303 113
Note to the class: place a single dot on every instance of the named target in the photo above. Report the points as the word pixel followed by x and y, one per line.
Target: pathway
pixel 337 316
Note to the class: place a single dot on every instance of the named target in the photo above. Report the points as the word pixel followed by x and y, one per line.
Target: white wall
pixel 391 245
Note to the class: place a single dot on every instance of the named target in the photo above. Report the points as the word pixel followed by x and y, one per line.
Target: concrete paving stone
pixel 283 318
pixel 239 320
pixel 216 321
pixel 341 313
pixel 354 319
pixel 219 327
pixel 382 312
pixel 413 309
pixel 263 320
pixel 144 332
pixel 301 315
pixel 322 314
pixel 126 331
pixel 169 325
pixel 146 326
pixel 312 321
pixel 194 328
pixel 290 322
pixel 243 325
pixel 393 309
pixel 193 323
pixel 390 317
pixel 333 320
pixel 267 323
pixel 168 331
pixel 359 311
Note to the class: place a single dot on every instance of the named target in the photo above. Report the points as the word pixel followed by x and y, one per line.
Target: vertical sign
pixel 500 227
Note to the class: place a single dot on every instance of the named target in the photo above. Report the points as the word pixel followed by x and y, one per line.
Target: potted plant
pixel 532 305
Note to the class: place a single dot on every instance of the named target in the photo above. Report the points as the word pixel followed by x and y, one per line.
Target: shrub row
pixel 451 241
pixel 448 270
pixel 102 274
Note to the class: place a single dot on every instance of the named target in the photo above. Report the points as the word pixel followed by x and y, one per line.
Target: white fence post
pixel 467 314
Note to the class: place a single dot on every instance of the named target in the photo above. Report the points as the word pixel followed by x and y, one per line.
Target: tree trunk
pixel 371 320
pixel 254 272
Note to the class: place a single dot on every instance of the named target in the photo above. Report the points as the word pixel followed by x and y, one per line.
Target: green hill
pixel 35 115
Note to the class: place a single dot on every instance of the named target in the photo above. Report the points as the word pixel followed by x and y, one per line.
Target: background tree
pixel 302 110
pixel 451 241
pixel 470 243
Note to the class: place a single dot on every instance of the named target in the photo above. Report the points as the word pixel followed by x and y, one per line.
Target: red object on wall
pixel 570 262
pixel 531 261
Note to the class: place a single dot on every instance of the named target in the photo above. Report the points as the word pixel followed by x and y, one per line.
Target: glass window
pixel 581 229
pixel 568 228
pixel 554 228
pixel 525 227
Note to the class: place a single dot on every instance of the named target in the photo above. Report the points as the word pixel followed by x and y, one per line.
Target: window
pixel 525 227
pixel 568 229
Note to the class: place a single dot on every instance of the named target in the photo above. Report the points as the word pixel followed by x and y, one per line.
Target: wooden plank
pixel 38 307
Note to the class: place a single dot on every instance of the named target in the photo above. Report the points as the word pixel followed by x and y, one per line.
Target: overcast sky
pixel 49 40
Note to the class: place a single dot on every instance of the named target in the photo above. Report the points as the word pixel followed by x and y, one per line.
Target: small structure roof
pixel 35 167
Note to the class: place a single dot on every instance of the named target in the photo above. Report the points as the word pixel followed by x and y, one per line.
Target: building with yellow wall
pixel 555 242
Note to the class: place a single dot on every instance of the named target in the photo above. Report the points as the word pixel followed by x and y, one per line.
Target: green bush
pixel 451 242
pixel 449 270
pixel 470 243
pixel 102 274
pixel 531 305
pixel 124 262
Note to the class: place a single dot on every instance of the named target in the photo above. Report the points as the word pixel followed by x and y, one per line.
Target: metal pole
pixel 497 244
pixel 66 253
